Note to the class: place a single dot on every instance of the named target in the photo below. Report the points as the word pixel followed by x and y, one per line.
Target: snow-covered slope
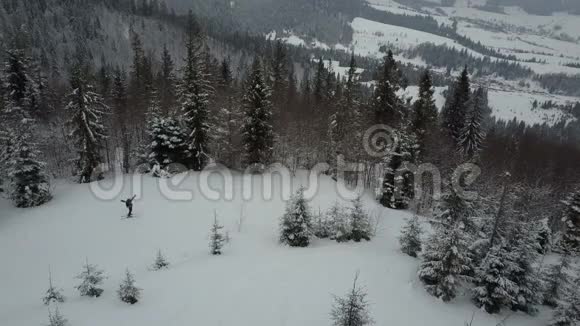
pixel 256 281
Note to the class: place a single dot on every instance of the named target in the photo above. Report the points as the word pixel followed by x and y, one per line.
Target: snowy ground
pixel 255 282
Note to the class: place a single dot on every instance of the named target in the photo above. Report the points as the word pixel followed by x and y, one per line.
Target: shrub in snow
pixel 360 222
pixel 29 186
pixel 410 238
pixel 446 262
pixel 160 262
pixel 52 294
pixel 56 319
pixel 91 278
pixel 493 286
pixel 216 239
pixel 557 280
pixel 128 292
pixel 352 310
pixel 296 222
pixel 323 226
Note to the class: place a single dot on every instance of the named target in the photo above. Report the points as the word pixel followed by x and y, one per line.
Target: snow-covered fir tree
pixel 493 285
pixel 410 238
pixel 557 280
pixel 453 208
pixel 571 219
pixel 387 106
pixel 472 135
pixel 216 238
pixel 56 318
pixel 323 225
pixel 257 132
pixel 85 110
pixel 353 309
pixel 568 312
pixel 128 292
pixel 446 261
pixel 120 110
pixel 194 94
pixel 425 112
pixel 29 183
pixel 398 182
pixel 52 294
pixel 91 279
pixel 166 81
pixel 295 225
pixel 160 262
pixel 455 109
pixel 361 227
pixel 340 225
pixel 168 143
pixel 17 84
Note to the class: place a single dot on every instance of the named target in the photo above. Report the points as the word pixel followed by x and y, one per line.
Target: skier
pixel 129 203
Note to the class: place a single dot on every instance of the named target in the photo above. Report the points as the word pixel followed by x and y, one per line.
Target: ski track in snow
pixel 255 282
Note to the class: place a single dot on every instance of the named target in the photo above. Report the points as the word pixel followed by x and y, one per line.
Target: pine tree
pixel 557 280
pixel 472 135
pixel 216 238
pixel 571 219
pixel 410 238
pixel 160 262
pixel 279 72
pixel 387 106
pixel 228 120
pixel 56 318
pixel 455 109
pixel 493 287
pixel 257 132
pixel 319 78
pixel 194 93
pixel 16 83
pixel 29 184
pixel 91 278
pixel 128 292
pixel 446 261
pixel 361 227
pixel 425 112
pixel 52 294
pixel 391 197
pixel 352 310
pixel 166 81
pixel 568 313
pixel 85 109
pixel 120 110
pixel 168 143
pixel 295 225
pixel 452 208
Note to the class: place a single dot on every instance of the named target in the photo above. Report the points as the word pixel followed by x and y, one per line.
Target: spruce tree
pixel 387 106
pixel 340 223
pixel 295 225
pixel 52 294
pixel 425 112
pixel 452 208
pixel 228 120
pixel 455 109
pixel 29 183
pixel 568 312
pixel 279 73
pixel 472 135
pixel 493 286
pixel 91 279
pixel 216 238
pixel 410 238
pixel 120 111
pixel 160 262
pixel 166 81
pixel 56 318
pixel 257 131
pixel 352 310
pixel 168 143
pixel 571 219
pixel 446 261
pixel 85 109
pixel 557 280
pixel 361 227
pixel 128 292
pixel 16 83
pixel 194 94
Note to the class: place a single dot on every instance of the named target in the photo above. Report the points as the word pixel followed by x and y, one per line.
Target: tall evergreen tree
pixel 29 183
pixel 568 313
pixel 472 135
pixel 279 71
pixel 571 218
pixel 195 92
pixel 167 81
pixel 16 82
pixel 120 111
pixel 387 106
pixel 425 112
pixel 257 131
pixel 228 119
pixel 85 109
pixel 557 280
pixel 455 109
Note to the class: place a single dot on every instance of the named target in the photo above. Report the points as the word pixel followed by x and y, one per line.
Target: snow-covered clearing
pixel 256 281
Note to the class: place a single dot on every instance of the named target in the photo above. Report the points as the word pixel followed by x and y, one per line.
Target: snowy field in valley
pixel 255 282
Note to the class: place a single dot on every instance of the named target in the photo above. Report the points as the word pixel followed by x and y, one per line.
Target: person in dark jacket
pixel 129 203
